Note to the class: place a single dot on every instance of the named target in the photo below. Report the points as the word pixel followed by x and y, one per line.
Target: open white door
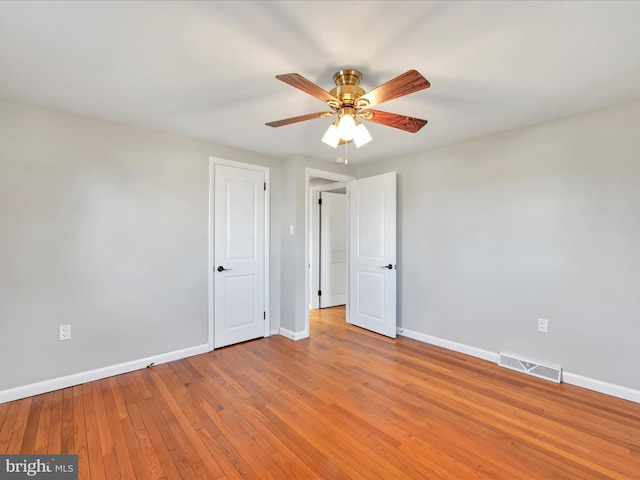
pixel 333 249
pixel 239 263
pixel 372 254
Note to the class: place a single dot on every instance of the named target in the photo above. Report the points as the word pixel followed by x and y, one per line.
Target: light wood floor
pixel 343 404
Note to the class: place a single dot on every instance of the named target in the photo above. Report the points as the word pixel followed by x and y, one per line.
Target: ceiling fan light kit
pixel 362 136
pixel 350 101
pixel 346 129
pixel 332 136
pixel 347 123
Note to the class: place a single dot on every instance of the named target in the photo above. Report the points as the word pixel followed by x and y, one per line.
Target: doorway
pixel 328 246
pixel 318 181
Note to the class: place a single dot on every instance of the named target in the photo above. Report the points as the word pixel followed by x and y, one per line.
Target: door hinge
pixel 319 201
pixel 264 315
pixel 265 186
pixel 319 293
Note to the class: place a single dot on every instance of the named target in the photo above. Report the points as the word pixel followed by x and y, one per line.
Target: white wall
pixel 537 222
pixel 104 227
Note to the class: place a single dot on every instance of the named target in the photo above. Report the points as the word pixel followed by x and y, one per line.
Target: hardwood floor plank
pixel 8 425
pixel 99 391
pixel 80 431
pixel 132 394
pixel 67 445
pixel 54 439
pixel 4 409
pixel 158 418
pixel 121 450
pixel 118 399
pixel 94 447
pixel 42 432
pixel 20 426
pixel 110 464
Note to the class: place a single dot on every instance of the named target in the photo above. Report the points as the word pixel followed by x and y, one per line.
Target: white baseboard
pixel 449 345
pixel 567 377
pixel 612 389
pixel 293 335
pixel 97 374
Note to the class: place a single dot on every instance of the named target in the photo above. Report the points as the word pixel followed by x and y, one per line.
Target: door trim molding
pixel 336 177
pixel 213 161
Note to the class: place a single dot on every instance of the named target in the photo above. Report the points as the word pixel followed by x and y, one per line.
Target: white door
pixel 372 252
pixel 333 249
pixel 239 284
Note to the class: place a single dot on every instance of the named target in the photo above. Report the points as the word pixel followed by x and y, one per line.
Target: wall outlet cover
pixel 64 332
pixel 543 325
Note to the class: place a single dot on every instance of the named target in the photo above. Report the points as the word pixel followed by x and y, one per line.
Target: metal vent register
pixel 537 370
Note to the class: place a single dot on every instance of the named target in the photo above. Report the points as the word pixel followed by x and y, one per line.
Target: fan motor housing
pixel 347 94
pixel 347 89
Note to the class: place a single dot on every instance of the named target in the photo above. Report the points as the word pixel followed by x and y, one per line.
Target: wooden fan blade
pixel 408 124
pixel 307 86
pixel 409 82
pixel 301 118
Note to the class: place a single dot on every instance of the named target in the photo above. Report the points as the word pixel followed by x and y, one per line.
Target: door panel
pixel 239 250
pixel 241 220
pixel 370 222
pixel 240 300
pixel 371 295
pixel 372 240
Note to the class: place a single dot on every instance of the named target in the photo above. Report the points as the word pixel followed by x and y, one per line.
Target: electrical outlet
pixel 543 325
pixel 64 332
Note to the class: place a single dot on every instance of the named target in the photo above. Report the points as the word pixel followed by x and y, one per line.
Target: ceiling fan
pixel 349 101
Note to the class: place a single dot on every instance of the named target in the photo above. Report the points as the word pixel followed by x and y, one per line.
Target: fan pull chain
pixel 346 158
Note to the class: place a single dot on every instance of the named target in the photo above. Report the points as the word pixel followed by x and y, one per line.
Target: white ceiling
pixel 206 69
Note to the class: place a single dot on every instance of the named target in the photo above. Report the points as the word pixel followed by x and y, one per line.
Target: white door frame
pixel 336 177
pixel 213 161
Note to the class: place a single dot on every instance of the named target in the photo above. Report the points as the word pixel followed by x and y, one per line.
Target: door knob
pixel 222 269
pixel 390 267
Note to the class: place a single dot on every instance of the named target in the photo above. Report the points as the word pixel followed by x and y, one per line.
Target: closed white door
pixel 333 249
pixel 372 252
pixel 239 283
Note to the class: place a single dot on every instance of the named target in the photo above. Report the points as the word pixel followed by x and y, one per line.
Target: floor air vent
pixel 541 371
